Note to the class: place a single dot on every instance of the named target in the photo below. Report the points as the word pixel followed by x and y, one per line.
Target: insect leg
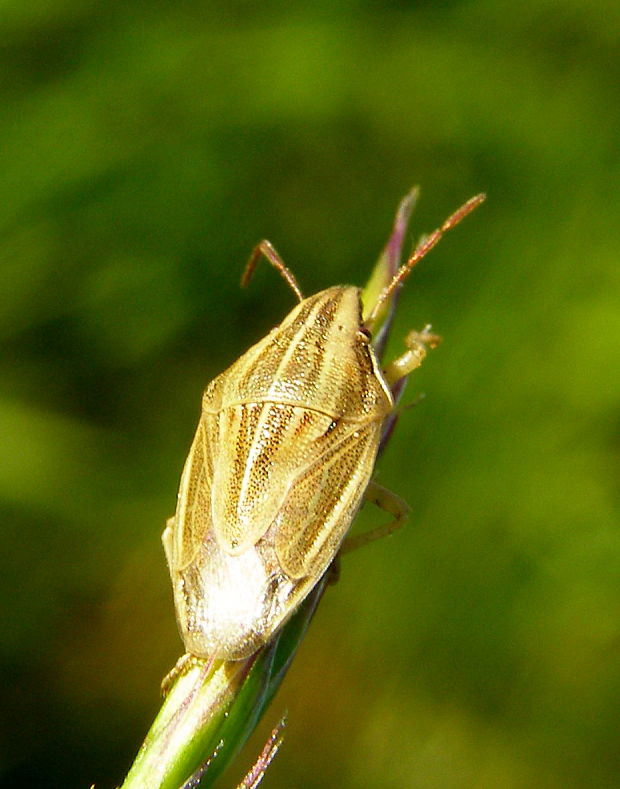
pixel 417 344
pixel 267 249
pixel 388 501
pixel 184 664
pixel 166 539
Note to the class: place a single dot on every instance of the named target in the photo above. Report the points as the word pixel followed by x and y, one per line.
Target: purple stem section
pixel 391 260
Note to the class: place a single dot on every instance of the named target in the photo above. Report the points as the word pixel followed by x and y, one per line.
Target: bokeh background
pixel 144 148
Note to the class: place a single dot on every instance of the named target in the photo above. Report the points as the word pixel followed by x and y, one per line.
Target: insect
pixel 281 461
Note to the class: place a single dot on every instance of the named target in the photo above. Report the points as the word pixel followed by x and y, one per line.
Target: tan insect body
pixel 283 454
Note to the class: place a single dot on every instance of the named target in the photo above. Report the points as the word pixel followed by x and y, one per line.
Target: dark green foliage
pixel 145 148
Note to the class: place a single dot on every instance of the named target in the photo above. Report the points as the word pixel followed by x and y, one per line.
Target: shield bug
pixel 281 460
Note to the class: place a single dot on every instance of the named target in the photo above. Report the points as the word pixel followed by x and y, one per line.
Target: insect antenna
pixel 266 249
pixel 423 248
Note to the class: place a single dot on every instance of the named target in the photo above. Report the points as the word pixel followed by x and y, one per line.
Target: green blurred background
pixel 145 148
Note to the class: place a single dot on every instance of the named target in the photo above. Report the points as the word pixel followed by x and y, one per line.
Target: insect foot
pixel 417 343
pixel 183 664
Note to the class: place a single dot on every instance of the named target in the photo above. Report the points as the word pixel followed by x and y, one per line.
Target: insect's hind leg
pixel 184 664
pixel 386 500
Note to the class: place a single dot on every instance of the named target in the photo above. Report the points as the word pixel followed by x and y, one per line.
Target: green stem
pixel 212 708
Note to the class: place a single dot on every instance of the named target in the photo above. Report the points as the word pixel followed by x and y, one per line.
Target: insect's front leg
pixel 418 343
pixel 388 501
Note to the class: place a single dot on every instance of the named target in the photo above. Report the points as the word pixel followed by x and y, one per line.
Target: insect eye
pixel 364 334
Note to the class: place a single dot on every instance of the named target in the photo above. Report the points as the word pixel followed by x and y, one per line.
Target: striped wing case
pixel 282 455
